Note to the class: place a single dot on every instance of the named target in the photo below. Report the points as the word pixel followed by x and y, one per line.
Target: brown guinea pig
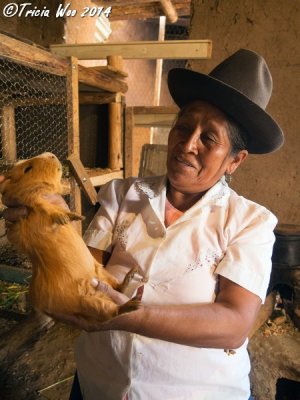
pixel 61 262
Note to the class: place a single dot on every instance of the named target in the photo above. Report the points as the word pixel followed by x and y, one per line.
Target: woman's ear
pixel 237 161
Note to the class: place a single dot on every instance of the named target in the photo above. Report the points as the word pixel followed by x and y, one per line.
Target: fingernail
pixel 94 282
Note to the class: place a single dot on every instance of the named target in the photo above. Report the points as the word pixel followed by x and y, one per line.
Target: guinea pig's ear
pixel 3 182
pixel 20 162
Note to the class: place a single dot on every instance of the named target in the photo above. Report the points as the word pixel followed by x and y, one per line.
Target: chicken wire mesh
pixel 34 113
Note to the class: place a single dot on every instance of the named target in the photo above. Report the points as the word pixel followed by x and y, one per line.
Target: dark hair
pixel 237 136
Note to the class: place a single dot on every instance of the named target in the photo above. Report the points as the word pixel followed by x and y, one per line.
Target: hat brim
pixel 263 133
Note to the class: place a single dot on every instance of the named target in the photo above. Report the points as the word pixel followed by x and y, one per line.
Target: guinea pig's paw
pixel 75 217
pixel 60 218
pixel 131 305
pixel 128 278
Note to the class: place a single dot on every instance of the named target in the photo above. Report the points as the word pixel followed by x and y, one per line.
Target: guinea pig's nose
pixel 48 155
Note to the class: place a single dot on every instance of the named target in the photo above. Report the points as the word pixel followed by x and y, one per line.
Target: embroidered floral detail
pixel 151 186
pixel 208 259
pixel 120 232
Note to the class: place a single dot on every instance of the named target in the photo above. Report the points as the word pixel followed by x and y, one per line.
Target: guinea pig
pixel 62 265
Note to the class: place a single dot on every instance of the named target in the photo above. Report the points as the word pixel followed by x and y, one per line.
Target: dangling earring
pixel 228 178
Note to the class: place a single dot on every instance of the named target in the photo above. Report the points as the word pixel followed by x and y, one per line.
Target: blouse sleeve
pixel 247 260
pixel 100 231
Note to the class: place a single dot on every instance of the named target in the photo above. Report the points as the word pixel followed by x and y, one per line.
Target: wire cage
pixel 34 113
pixel 36 116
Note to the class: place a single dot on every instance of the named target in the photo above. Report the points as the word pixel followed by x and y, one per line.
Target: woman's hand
pixel 15 211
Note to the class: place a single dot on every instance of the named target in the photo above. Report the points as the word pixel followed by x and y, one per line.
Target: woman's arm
pixel 223 324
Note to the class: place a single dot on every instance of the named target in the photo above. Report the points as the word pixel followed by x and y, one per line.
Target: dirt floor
pixel 36 359
pixel 37 362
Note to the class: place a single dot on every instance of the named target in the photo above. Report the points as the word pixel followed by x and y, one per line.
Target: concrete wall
pixel 271 28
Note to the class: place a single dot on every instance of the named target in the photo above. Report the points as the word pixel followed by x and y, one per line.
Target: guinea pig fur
pixel 62 265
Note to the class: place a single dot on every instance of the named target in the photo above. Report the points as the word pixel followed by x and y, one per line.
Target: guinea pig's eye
pixel 27 169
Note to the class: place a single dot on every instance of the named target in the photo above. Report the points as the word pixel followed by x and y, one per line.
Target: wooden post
pixel 116 62
pixel 83 178
pixel 73 130
pixel 159 63
pixel 129 125
pixel 115 161
pixel 9 147
pixel 169 10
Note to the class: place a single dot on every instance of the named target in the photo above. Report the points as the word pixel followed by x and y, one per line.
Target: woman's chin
pixel 181 182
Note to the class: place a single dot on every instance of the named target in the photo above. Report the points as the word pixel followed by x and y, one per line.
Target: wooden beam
pixel 115 161
pixel 99 180
pixel 9 147
pixel 73 131
pixel 154 116
pixel 129 125
pixel 159 63
pixel 82 178
pixel 154 120
pixel 110 71
pixel 169 49
pixel 32 56
pixel 169 10
pixel 115 147
pixel 141 9
pixel 100 80
pixel 138 110
pixel 98 98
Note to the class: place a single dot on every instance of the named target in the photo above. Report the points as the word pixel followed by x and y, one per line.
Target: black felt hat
pixel 241 86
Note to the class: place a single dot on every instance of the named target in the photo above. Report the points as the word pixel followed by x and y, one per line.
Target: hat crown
pixel 248 73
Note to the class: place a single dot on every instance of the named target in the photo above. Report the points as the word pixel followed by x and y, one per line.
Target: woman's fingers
pixel 16 211
pixel 14 214
pixel 78 322
pixel 117 297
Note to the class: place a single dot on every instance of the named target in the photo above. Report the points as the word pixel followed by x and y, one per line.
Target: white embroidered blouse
pixel 222 234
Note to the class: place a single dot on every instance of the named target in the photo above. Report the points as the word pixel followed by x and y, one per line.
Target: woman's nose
pixel 190 144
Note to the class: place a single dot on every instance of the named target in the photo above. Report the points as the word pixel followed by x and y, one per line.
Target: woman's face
pixel 199 149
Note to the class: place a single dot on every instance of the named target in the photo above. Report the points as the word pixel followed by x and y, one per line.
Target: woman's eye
pixel 208 137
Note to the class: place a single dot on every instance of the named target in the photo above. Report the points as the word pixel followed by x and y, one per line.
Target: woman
pixel 203 252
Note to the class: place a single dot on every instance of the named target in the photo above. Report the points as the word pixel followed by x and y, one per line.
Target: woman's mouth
pixel 184 162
